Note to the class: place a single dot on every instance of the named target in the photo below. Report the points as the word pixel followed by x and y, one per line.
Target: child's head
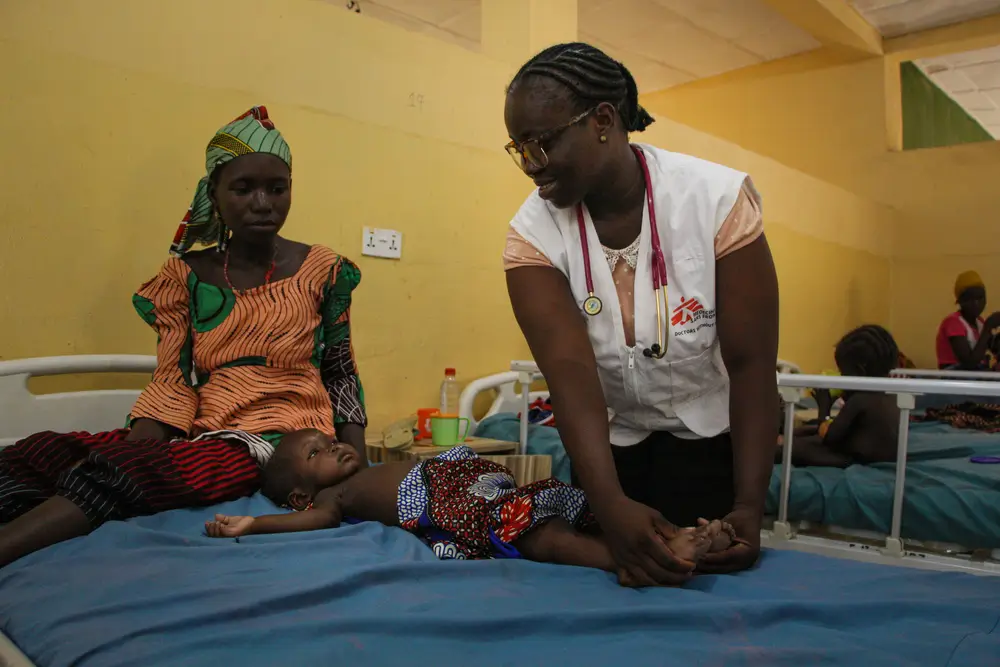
pixel 305 463
pixel 868 351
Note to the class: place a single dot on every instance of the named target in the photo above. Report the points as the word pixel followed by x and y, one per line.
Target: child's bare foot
pixel 723 539
pixel 691 544
pixel 710 536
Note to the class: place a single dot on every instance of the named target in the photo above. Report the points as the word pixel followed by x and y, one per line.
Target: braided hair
pixel 592 77
pixel 869 348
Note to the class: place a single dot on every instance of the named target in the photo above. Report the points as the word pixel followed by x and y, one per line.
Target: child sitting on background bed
pixel 462 506
pixel 866 428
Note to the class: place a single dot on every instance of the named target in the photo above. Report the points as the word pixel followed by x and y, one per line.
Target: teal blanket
pixel 947 497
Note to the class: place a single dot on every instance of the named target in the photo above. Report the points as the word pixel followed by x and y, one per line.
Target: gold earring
pixel 604 139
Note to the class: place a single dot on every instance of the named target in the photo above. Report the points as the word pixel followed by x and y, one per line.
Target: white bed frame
pixel 783 534
pixel 23 413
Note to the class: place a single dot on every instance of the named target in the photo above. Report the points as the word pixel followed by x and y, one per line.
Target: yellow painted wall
pixel 820 112
pixel 957 195
pixel 105 129
pixel 109 104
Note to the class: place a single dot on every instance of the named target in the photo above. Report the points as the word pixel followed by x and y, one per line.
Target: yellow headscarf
pixel 966 280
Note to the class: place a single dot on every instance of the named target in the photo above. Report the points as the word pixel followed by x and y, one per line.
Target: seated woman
pixel 253 338
pixel 865 430
pixel 964 340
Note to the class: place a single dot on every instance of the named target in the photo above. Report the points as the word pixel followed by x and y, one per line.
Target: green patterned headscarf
pixel 253 132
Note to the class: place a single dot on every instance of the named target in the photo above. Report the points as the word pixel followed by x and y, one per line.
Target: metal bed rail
pixel 527 372
pixel 905 390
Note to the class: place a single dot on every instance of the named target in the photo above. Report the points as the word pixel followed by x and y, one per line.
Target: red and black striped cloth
pixel 112 479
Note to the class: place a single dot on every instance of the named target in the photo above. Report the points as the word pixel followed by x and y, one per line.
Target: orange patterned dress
pixel 269 360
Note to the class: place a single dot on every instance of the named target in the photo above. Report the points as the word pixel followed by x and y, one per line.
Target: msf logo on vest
pixel 691 316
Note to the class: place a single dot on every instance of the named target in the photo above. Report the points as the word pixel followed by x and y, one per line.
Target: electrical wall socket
pixel 377 242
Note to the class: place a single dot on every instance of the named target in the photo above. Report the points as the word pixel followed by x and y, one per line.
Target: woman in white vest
pixel 646 291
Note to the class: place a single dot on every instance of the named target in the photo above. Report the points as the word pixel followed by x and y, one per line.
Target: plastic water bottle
pixel 449 393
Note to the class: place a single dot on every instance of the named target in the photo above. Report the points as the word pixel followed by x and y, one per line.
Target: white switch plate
pixel 377 242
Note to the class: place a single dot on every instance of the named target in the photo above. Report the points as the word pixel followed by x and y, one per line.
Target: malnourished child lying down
pixel 462 506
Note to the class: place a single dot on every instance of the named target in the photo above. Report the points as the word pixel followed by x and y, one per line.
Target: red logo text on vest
pixel 691 312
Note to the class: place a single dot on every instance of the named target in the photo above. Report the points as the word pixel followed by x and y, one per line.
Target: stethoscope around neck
pixel 592 305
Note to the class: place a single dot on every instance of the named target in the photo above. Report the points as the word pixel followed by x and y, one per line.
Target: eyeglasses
pixel 530 151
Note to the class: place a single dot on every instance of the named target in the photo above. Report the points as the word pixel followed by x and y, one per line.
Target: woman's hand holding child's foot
pixel 691 544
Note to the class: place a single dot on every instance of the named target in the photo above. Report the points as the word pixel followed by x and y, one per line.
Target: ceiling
pixel 893 18
pixel 454 21
pixel 669 42
pixel 972 79
pixel 664 42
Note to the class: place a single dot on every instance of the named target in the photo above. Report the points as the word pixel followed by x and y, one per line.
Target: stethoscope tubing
pixel 592 304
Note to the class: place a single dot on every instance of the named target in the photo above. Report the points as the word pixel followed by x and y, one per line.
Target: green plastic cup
pixel 444 430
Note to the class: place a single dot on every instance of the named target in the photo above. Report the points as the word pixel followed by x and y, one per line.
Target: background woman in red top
pixel 964 340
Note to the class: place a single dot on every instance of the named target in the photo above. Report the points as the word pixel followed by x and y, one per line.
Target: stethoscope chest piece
pixel 592 305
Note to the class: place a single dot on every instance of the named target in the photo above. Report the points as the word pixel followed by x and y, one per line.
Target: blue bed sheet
pixel 155 592
pixel 948 498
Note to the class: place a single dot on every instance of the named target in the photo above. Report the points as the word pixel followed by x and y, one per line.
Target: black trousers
pixel 682 479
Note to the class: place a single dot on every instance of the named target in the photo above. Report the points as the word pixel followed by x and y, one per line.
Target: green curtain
pixel 932 119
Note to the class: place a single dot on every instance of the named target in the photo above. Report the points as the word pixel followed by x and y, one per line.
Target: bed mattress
pixel 154 591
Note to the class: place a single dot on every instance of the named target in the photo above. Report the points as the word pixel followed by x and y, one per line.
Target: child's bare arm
pixel 845 424
pixel 325 513
pixel 832 450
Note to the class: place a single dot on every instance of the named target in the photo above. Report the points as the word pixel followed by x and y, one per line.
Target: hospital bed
pixel 154 591
pixel 951 503
pixel 951 512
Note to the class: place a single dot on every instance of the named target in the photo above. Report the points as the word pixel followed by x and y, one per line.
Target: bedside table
pixel 526 469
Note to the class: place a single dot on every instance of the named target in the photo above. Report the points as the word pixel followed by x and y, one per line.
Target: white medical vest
pixel 687 390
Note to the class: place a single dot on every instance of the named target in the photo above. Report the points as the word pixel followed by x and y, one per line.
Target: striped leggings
pixel 112 479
